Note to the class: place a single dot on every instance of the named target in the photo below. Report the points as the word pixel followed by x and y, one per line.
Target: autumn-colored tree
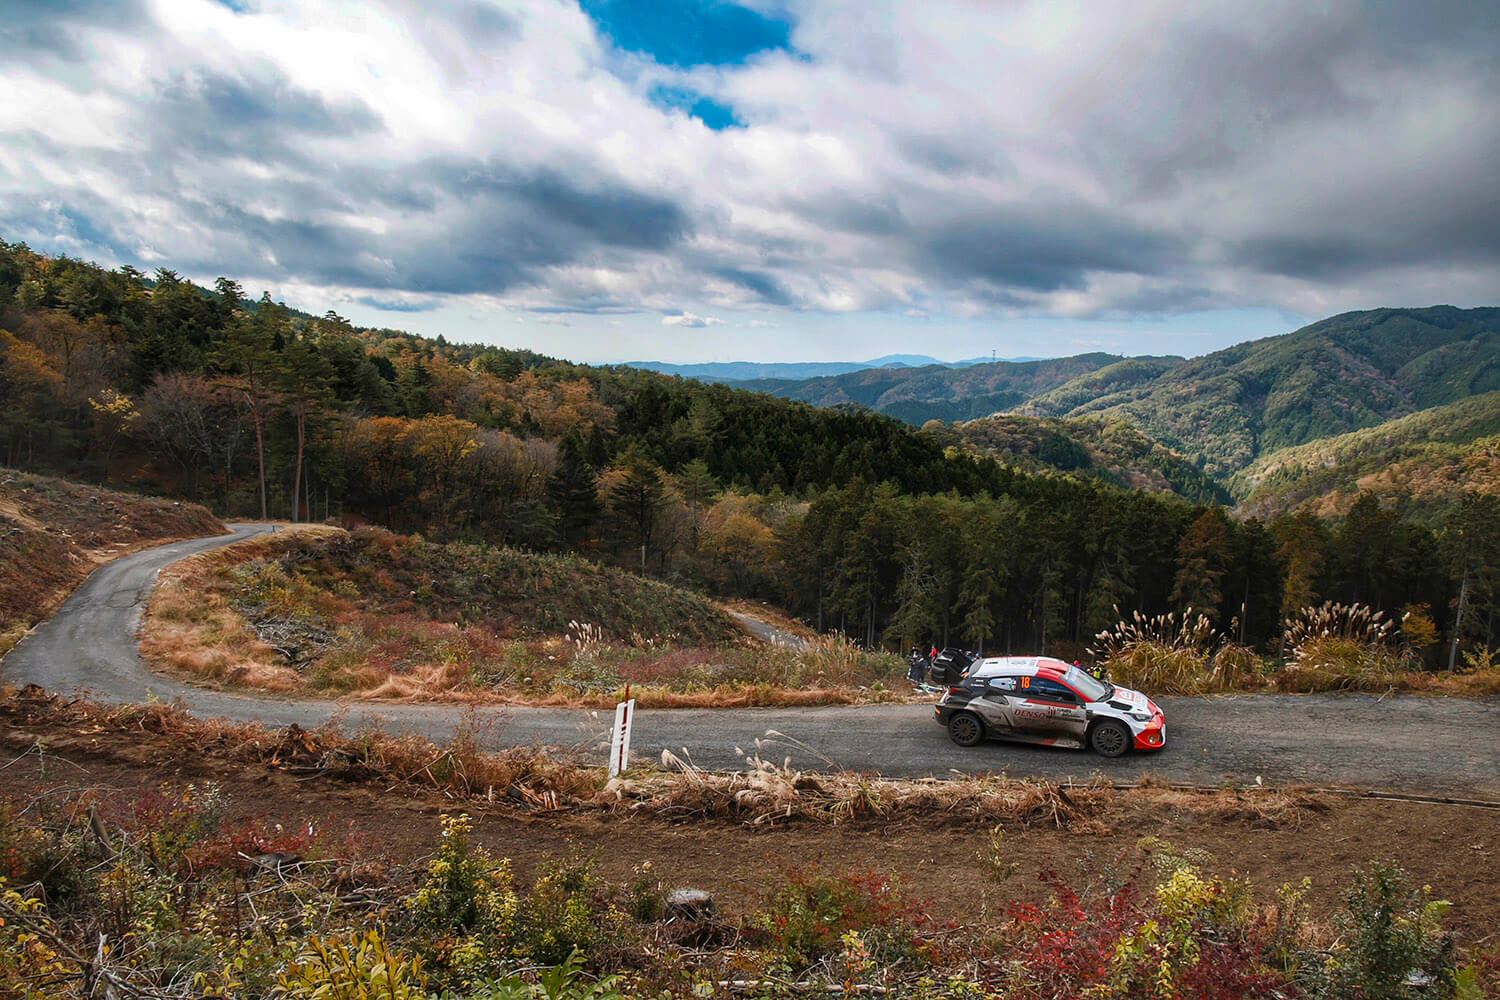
pixel 30 387
pixel 114 416
pixel 505 483
pixel 377 463
pixel 737 548
pixel 439 445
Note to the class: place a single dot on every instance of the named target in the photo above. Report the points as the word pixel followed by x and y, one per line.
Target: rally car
pixel 1037 699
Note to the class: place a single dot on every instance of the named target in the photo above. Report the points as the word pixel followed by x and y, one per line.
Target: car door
pixel 996 706
pixel 1049 709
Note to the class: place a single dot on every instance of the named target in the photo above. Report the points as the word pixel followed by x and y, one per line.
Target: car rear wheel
pixel 965 729
pixel 1109 739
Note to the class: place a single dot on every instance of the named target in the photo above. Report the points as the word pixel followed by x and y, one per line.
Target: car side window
pixel 1003 683
pixel 1052 691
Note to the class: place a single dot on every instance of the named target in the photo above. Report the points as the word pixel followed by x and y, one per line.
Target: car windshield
pixel 1088 685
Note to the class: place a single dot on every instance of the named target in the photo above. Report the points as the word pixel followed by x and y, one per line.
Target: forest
pixel 857 522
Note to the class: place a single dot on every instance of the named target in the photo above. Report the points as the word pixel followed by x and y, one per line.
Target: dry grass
pixel 268 614
pixel 765 792
pixel 1343 647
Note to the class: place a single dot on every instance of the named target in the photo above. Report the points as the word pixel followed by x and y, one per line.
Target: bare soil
pixel 53 533
pixel 940 857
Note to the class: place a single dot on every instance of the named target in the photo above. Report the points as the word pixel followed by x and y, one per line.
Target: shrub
pixel 335 969
pixel 465 892
pixel 561 982
pixel 1391 942
pixel 809 915
pixel 26 954
pixel 568 910
pixel 1193 936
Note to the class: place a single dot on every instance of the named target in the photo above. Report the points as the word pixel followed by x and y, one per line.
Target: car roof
pixel 1020 666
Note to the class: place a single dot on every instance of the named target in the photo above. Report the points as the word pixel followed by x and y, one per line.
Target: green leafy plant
pixel 1391 942
pixel 564 981
pixel 361 969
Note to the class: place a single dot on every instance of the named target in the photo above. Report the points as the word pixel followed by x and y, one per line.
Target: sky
pixel 775 180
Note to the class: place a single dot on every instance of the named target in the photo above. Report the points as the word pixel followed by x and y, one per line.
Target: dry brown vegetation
pixel 53 533
pixel 382 616
pixel 764 793
pixel 1332 647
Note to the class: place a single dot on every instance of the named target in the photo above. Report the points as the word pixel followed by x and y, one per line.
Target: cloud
pixel 400 304
pixel 691 320
pixel 959 159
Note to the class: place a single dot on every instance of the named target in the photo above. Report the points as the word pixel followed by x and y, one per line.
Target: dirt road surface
pixel 1432 746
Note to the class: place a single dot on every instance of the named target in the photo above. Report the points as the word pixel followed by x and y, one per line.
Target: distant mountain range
pixel 1387 399
pixel 743 371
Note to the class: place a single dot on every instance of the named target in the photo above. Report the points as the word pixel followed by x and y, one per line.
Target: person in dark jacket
pixel 916 667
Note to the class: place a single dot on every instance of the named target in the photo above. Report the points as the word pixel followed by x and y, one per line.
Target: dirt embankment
pixel 53 533
pixel 948 854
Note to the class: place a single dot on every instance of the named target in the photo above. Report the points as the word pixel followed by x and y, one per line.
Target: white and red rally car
pixel 1037 699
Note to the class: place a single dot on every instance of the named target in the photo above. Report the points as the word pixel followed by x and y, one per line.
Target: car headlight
pixel 1140 716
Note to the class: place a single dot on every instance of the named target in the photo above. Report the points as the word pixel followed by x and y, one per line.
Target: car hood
pixel 1137 701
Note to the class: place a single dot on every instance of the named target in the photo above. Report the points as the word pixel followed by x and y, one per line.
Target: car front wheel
pixel 965 729
pixel 1109 739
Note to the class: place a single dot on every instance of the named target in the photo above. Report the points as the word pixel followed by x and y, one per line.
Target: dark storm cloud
pixel 231 103
pixel 262 116
pixel 767 288
pixel 489 229
pixel 869 216
pixel 1041 248
pixel 1405 218
pixel 397 305
pixel 1141 159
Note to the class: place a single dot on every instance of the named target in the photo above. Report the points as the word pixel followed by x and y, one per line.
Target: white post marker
pixel 619 741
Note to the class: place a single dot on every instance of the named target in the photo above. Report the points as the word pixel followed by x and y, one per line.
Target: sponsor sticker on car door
pixel 1045 706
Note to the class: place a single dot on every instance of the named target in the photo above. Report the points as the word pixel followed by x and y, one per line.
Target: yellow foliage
pixel 364 969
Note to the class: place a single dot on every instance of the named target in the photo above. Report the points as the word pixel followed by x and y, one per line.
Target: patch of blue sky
pixel 707 110
pixel 687 33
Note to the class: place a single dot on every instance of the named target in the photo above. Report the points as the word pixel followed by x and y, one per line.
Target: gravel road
pixel 1435 746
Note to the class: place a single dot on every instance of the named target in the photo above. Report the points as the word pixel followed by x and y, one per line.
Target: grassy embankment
pixel 53 533
pixel 377 615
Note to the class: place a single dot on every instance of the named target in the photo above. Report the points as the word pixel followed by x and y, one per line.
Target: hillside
pixel 1430 457
pixel 1110 450
pixel 375 614
pixel 1343 373
pixel 54 533
pixel 851 519
pixel 937 392
pixel 1122 376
